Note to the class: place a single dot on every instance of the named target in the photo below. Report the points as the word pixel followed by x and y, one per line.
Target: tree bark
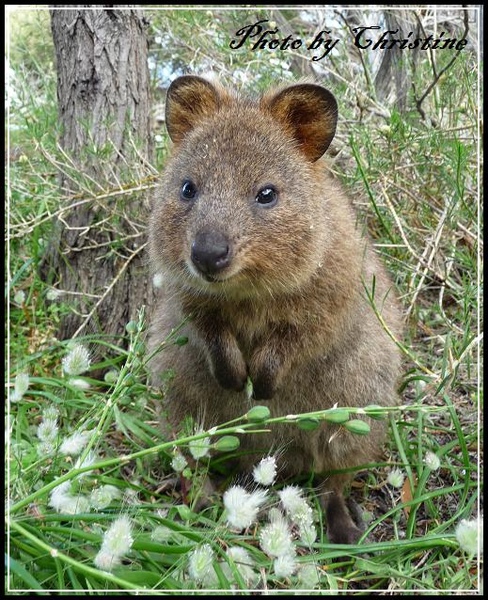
pixel 97 256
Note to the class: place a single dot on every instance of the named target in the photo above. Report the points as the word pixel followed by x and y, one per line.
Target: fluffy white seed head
pixel 199 448
pixel 299 512
pixel 50 412
pixel 19 298
pixel 432 461
pixel 265 472
pixel 239 555
pixel 21 385
pixel 275 538
pixel 179 462
pixel 308 533
pixel 53 294
pixel 102 497
pixel 77 361
pixel 118 537
pixel 59 491
pixel 74 505
pixel 308 576
pixel 200 563
pixel 285 566
pixel 78 382
pixel 47 431
pixel 64 502
pixel 46 449
pixel 161 533
pixel 106 561
pixel 75 443
pixel 395 478
pixel 469 534
pixel 291 497
pixel 242 507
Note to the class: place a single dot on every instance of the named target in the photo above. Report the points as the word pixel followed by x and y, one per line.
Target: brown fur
pixel 288 308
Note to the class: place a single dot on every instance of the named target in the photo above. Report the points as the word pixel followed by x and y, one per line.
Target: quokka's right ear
pixel 189 100
pixel 308 112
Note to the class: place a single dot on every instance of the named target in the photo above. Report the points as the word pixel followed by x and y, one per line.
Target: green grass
pixel 416 188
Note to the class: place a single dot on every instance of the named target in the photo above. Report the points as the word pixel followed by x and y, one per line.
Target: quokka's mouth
pixel 200 278
pixel 213 279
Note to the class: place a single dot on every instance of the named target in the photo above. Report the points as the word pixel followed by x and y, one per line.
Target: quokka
pixel 260 253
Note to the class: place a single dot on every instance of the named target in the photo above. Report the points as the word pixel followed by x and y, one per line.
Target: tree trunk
pixel 97 258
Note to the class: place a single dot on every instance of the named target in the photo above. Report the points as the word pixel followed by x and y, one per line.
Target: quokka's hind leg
pixel 342 516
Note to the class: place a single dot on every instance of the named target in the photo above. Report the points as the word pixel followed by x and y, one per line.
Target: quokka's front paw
pixel 265 372
pixel 231 376
pixel 226 362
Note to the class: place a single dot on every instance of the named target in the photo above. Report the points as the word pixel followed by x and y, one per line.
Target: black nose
pixel 210 252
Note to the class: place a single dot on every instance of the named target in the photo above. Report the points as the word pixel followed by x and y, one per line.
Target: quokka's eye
pixel 267 196
pixel 188 190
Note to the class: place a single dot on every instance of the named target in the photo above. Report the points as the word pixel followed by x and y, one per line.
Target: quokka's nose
pixel 210 252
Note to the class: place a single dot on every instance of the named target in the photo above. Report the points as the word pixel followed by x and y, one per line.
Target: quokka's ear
pixel 189 100
pixel 308 112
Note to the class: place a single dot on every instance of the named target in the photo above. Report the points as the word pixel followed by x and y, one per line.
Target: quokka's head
pixel 242 208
